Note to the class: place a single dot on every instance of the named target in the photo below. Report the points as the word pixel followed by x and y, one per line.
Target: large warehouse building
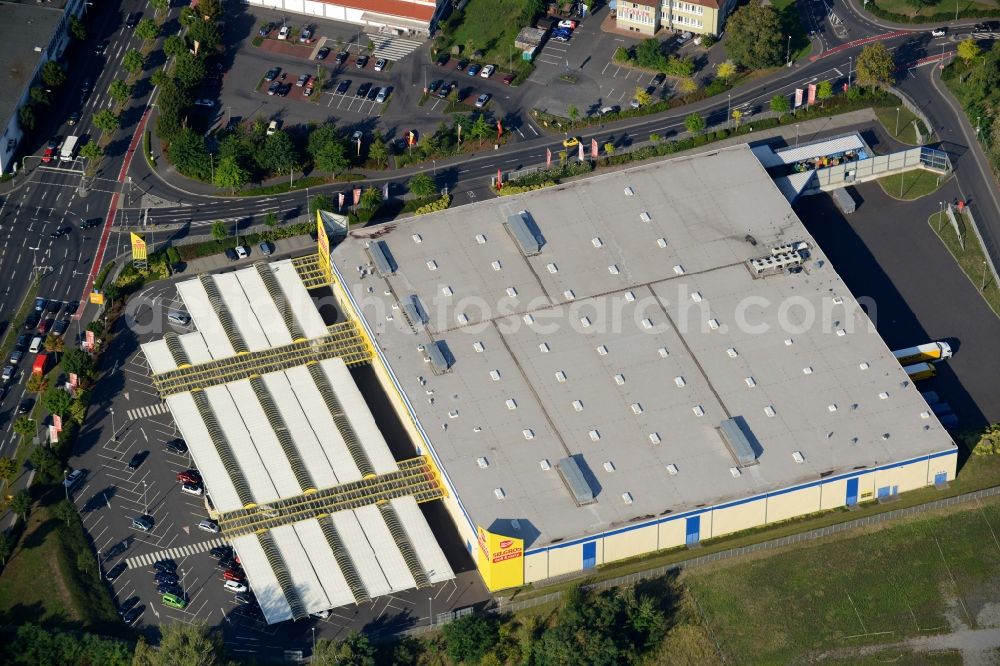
pixel 636 361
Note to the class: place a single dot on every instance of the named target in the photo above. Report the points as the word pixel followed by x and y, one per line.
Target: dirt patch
pixel 287 48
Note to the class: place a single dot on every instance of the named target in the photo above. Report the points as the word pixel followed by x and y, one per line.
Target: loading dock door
pixel 693 531
pixel 940 478
pixel 589 554
pixel 852 492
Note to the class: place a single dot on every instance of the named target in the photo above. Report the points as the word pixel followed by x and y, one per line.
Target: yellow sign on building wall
pixel 500 560
pixel 138 247
pixel 323 247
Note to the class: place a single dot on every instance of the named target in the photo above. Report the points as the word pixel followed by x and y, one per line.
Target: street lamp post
pixel 114 431
pixel 314 640
pixel 982 284
pixel 729 110
pixel 65 486
pixel 788 51
pixel 211 158
pixel 956 10
pixel 940 215
pixel 850 67
pixel 430 611
pixel 897 121
pixel 145 502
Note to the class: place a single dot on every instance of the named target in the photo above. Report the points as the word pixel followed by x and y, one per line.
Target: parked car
pixel 73 118
pixel 363 90
pixel 266 29
pixel 132 19
pixel 235 586
pixel 342 88
pixel 508 79
pixel 176 446
pixel 380 64
pixel 482 100
pixel 165 566
pixel 209 526
pixel 985 26
pixel 306 34
pixel 131 616
pixel 8 373
pixel 174 601
pixel 302 80
pixel 323 53
pixel 242 252
pixel 101 47
pixel 166 577
pixel 445 89
pixel 137 460
pixel 245 598
pixel 115 571
pixel 461 64
pixel 189 476
pixel 31 321
pixel 284 32
pixel 434 85
pixel 192 489
pixel 221 551
pixel 284 90
pixel 127 605
pixel 383 94
pixel 361 61
pixel 274 88
pixel 169 588
pixel 488 71
pixel 659 78
pixel 567 23
pixel 373 93
pixel 233 574
pixel 341 57
pixel 16 356
pixel 74 478
pixel 266 248
pixel 442 60
pixel 272 74
pixel 144 523
pixel 90 224
pixel 231 254
pixel 473 69
pixel 25 405
pixel 272 127
pixel 205 102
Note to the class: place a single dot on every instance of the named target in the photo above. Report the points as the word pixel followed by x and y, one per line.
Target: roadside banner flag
pixel 811 98
pixel 73 379
pixel 580 151
pixel 798 97
pixel 460 134
pixel 412 138
pixel 53 434
pixel 340 198
pixel 359 146
pixel 57 422
pixel 845 87
pixel 89 341
pixel 499 130
pixel 357 195
pixel 593 148
pixel 385 191
pixel 499 180
pixel 548 158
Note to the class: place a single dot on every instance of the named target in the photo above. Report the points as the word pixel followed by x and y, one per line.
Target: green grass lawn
pixel 792 25
pixel 906 8
pixel 886 585
pixel 903 121
pixel 911 185
pixel 970 259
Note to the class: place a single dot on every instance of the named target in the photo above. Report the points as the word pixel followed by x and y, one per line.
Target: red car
pixel 233 574
pixel 49 154
pixel 508 79
pixel 189 476
pixel 44 325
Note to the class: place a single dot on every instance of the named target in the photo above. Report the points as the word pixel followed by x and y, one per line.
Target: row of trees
pixel 975 79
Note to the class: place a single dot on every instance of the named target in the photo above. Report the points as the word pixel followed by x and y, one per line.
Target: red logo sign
pixel 506 543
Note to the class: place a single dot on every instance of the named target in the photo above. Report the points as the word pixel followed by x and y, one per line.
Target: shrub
pixel 103 275
pixel 435 206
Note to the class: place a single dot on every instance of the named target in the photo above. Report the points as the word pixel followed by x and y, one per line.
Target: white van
pixel 36 344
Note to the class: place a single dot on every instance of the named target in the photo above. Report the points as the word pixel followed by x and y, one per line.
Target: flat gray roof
pixel 626 342
pixel 23 28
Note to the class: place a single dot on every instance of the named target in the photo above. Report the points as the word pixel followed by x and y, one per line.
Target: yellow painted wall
pixel 907 478
pixel 707 526
pixel 629 544
pixel 943 464
pixel 672 533
pixel 789 505
pixel 834 494
pixel 736 518
pixel 567 560
pixel 536 567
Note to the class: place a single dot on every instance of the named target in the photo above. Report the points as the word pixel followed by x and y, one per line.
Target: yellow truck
pixel 919 371
pixel 931 352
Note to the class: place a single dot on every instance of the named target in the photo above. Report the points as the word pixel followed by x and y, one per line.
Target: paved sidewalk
pixel 295 246
pixel 857 8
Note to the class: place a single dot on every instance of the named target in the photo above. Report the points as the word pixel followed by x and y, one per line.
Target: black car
pixel 128 605
pixel 265 29
pixel 341 57
pixel 363 90
pixel 117 549
pixel 274 88
pixel 659 78
pixel 73 118
pixel 231 254
pixel 342 88
pixel 136 460
pixel 272 74
pixel 986 26
pixel 178 445
pixel 91 223
pixel 101 47
pixel 132 19
pixel 72 307
pixel 435 85
pixel 58 233
pixel 442 60
pixel 373 93
pixel 462 64
pixel 323 53
pixel 130 617
pixel 169 588
pixel 221 551
pixel 60 326
pixel 32 321
pixel 361 61
pixel 25 406
pixel 165 566
pixel 22 342
pixel 445 89
pixel 169 578
pixel 227 562
pixel 285 89
pixel 115 572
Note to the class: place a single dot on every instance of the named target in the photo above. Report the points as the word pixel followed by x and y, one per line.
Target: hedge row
pixel 103 275
pixel 435 206
pixel 519 189
pixel 939 17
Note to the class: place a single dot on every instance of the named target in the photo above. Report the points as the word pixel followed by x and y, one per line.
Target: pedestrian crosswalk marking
pixel 148 410
pixel 393 48
pixel 146 560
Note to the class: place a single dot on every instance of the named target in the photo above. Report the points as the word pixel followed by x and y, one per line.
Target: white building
pixel 396 16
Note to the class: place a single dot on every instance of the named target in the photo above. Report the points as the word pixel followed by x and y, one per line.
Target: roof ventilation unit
pixel 525 233
pixel 736 435
pixel 382 258
pixel 439 356
pixel 414 309
pixel 576 482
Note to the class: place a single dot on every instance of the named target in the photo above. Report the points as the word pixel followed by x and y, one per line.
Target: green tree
pixel 320 202
pixel 91 151
pixel 147 30
pixel 621 55
pixel 377 151
pixel 189 155
pixel 183 643
pixel 210 10
pixel 133 62
pixel 754 39
pixel 824 91
pixel 278 154
pixel 26 116
pixel 38 95
pixel 695 123
pixel 54 343
pixel 25 426
pixel 96 327
pixel 78 411
pixel 20 504
pixel 219 231
pixel 649 54
pixel 53 76
pixel 77 28
pixel 331 157
pixel 159 6
pixel 85 563
pixel 421 186
pixel 655 138
pixel 6 547
pixel 8 468
pixel 780 105
pixel 573 112
pixel 189 16
pixel 174 45
pixel 205 34
pixel 642 97
pixel 57 401
pixel 686 86
pixel 120 91
pixel 371 198
pixel 354 650
pixel 78 362
pixel 46 462
pixel 107 120
pixel 159 77
pixel 874 65
pixel 480 128
pixel 609 148
pixel 66 512
pixel 38 382
pixel 968 50
pixel 725 70
pixel 470 638
pixel 189 70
